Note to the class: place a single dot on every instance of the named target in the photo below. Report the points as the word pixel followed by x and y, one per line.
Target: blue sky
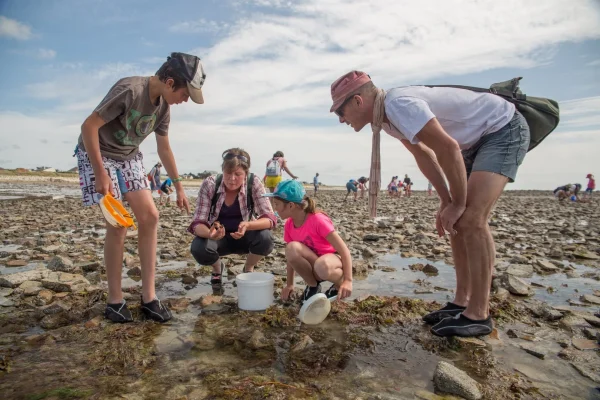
pixel 270 63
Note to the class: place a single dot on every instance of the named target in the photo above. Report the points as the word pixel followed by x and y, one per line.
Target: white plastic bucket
pixel 255 290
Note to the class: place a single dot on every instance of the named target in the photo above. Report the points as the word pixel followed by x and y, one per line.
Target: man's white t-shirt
pixel 465 115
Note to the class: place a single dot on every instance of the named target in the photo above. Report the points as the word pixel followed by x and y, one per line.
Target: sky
pixel 270 64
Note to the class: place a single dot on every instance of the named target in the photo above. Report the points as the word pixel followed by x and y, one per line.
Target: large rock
pixel 14 280
pixel 430 269
pixel 64 282
pixel 534 350
pixel 547 266
pixel 53 321
pixel 590 298
pixel 449 379
pixel 30 288
pixel 15 263
pixel 56 308
pixel 135 272
pixel 63 264
pixel 516 285
pixel 520 270
pixel 582 252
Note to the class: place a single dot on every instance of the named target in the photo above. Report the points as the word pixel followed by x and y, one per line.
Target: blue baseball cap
pixel 290 190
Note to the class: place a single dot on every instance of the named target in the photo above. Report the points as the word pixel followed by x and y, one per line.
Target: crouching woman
pixel 232 217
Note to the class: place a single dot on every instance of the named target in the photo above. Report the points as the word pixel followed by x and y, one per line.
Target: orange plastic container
pixel 115 213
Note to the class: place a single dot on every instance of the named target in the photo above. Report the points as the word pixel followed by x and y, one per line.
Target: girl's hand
pixel 286 292
pixel 345 290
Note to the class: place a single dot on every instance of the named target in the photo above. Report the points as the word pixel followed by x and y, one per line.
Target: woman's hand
pixel 242 228
pixel 217 231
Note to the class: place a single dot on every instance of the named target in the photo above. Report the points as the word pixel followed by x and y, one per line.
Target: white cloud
pixel 14 29
pixel 40 53
pixel 45 54
pixel 269 74
pixel 580 113
pixel 594 63
pixel 199 26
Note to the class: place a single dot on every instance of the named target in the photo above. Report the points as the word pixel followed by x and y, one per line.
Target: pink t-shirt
pixel 312 233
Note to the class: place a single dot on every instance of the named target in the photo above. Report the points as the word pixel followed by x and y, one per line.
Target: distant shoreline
pixel 68 179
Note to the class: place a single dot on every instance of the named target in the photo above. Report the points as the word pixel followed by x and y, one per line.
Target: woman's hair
pixel 278 154
pixel 166 72
pixel 235 158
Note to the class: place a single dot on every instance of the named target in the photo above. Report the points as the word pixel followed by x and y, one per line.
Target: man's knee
pixel 262 244
pixel 471 221
pixel 202 253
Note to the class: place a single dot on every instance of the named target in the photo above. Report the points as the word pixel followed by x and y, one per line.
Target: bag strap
pixel 249 198
pixel 508 89
pixel 215 198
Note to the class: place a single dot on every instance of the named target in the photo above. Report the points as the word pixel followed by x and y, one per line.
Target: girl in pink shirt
pixel 314 249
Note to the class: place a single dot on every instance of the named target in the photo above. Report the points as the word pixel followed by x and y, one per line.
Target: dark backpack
pixel 542 114
pixel 249 198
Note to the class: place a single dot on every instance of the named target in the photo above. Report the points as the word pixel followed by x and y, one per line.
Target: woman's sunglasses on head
pixel 240 157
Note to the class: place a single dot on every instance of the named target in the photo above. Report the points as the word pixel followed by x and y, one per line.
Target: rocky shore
pixel 54 341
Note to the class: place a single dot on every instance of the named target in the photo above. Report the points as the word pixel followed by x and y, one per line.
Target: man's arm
pixel 429 166
pixel 448 153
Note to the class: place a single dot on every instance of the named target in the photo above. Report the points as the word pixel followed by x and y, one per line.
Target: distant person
pixel 274 171
pixel 154 177
pixel 232 217
pixel 313 248
pixel 316 183
pixel 591 186
pixel 575 189
pixel 407 185
pixel 362 186
pixel 351 186
pixel 165 191
pixel 562 192
pixel 393 187
pixel 429 188
pixel 110 161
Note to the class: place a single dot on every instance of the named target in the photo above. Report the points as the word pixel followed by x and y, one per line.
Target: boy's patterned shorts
pixel 126 176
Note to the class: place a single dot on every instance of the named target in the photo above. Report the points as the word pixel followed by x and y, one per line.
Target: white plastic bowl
pixel 255 290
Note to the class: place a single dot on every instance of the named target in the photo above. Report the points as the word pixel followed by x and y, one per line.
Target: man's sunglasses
pixel 340 111
pixel 229 156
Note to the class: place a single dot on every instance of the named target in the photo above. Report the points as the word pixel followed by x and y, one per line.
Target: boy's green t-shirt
pixel 130 117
